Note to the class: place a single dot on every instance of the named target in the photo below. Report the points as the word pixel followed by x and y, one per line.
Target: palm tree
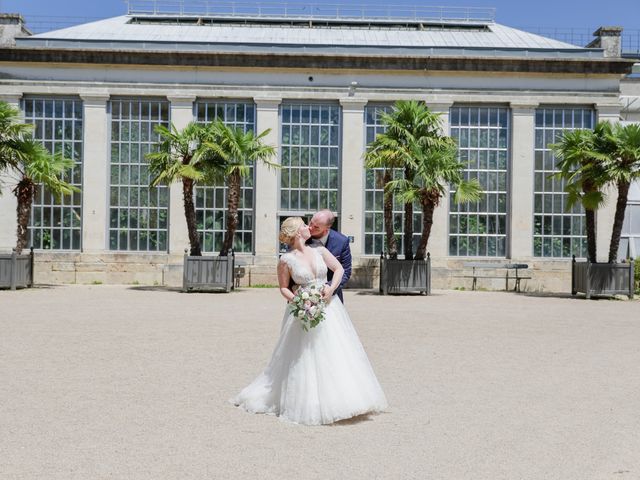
pixel 580 155
pixel 12 133
pixel 36 166
pixel 235 151
pixel 180 158
pixel 622 169
pixel 384 152
pixel 413 142
pixel 434 168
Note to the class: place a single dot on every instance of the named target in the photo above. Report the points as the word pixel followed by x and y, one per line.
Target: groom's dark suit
pixel 338 245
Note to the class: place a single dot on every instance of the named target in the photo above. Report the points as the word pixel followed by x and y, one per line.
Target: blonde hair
pixel 289 229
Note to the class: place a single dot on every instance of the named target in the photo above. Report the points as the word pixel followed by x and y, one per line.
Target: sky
pixel 529 15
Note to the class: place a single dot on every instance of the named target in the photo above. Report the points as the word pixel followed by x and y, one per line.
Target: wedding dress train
pixel 315 377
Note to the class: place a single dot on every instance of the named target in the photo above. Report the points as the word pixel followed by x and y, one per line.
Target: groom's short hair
pixel 328 215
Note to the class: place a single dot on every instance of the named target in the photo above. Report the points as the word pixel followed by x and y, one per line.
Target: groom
pixel 335 242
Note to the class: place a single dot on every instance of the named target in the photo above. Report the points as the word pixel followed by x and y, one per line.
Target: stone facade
pixel 352 82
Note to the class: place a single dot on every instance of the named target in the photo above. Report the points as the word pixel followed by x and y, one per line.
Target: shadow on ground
pixel 155 288
pixel 367 417
pixel 572 297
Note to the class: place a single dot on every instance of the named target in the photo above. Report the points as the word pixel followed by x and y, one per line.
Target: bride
pixel 318 376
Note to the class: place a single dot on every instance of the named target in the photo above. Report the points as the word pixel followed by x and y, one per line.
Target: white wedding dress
pixel 315 377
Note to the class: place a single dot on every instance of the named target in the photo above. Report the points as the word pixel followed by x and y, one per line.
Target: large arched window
pixel 56 222
pixel 479 229
pixel 211 202
pixel 138 214
pixel 556 231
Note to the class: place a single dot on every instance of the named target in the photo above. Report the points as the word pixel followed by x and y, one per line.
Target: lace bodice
pixel 299 269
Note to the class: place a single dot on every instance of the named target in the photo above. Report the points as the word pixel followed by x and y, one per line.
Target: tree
pixel 580 158
pixel 622 168
pixel 234 151
pixel 180 158
pixel 33 164
pixel 384 152
pixel 433 169
pixel 12 133
pixel 413 142
pixel 36 166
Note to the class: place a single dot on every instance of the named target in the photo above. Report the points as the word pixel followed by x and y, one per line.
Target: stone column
pixel 438 244
pixel 606 213
pixel 352 183
pixel 181 115
pixel 522 180
pixel 265 226
pixel 8 202
pixel 95 168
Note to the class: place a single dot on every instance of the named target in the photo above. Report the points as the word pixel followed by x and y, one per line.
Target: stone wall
pixel 166 270
pixel 108 268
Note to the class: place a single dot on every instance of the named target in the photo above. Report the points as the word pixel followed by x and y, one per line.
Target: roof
pixel 219 34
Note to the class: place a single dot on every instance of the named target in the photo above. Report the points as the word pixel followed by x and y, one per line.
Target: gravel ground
pixel 104 382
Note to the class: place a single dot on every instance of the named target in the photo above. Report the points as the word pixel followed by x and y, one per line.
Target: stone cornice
pixel 441 106
pixel 318 61
pixel 523 108
pixel 181 101
pixel 94 99
pixel 267 103
pixel 11 98
pixel 611 110
pixel 353 104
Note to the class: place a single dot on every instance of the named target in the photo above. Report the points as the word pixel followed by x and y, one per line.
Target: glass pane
pixel 309 177
pixel 562 234
pixel 484 149
pixel 240 115
pixel 58 127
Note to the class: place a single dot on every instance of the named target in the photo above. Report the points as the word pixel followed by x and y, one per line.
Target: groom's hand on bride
pixel 327 293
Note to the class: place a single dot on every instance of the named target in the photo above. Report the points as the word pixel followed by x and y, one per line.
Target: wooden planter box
pixel 602 278
pixel 16 271
pixel 405 276
pixel 208 273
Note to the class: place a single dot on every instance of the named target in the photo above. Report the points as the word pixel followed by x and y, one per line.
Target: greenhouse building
pixel 318 82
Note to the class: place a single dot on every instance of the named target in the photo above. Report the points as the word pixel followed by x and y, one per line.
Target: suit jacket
pixel 338 245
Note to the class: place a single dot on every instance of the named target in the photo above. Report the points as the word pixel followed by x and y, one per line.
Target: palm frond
pixel 47 169
pixel 467 191
pixel 13 133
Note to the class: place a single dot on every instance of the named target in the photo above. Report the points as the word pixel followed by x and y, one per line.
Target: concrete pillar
pixel 438 244
pixel 352 177
pixel 266 186
pixel 181 115
pixel 522 180
pixel 606 213
pixel 95 181
pixel 8 202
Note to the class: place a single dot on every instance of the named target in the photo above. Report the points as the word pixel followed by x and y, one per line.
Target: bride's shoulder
pixel 286 258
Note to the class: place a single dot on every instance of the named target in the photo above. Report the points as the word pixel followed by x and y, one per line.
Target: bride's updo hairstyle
pixel 289 229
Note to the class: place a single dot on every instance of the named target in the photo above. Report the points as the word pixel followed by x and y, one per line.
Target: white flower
pixel 300 313
pixel 305 295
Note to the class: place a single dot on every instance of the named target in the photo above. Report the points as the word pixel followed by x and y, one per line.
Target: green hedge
pixel 637 275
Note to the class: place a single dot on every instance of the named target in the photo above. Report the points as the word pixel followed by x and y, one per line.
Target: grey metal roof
pixel 486 39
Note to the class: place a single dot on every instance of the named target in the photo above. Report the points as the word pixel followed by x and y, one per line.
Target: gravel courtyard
pixel 104 382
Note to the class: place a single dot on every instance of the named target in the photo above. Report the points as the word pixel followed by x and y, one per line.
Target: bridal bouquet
pixel 308 306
